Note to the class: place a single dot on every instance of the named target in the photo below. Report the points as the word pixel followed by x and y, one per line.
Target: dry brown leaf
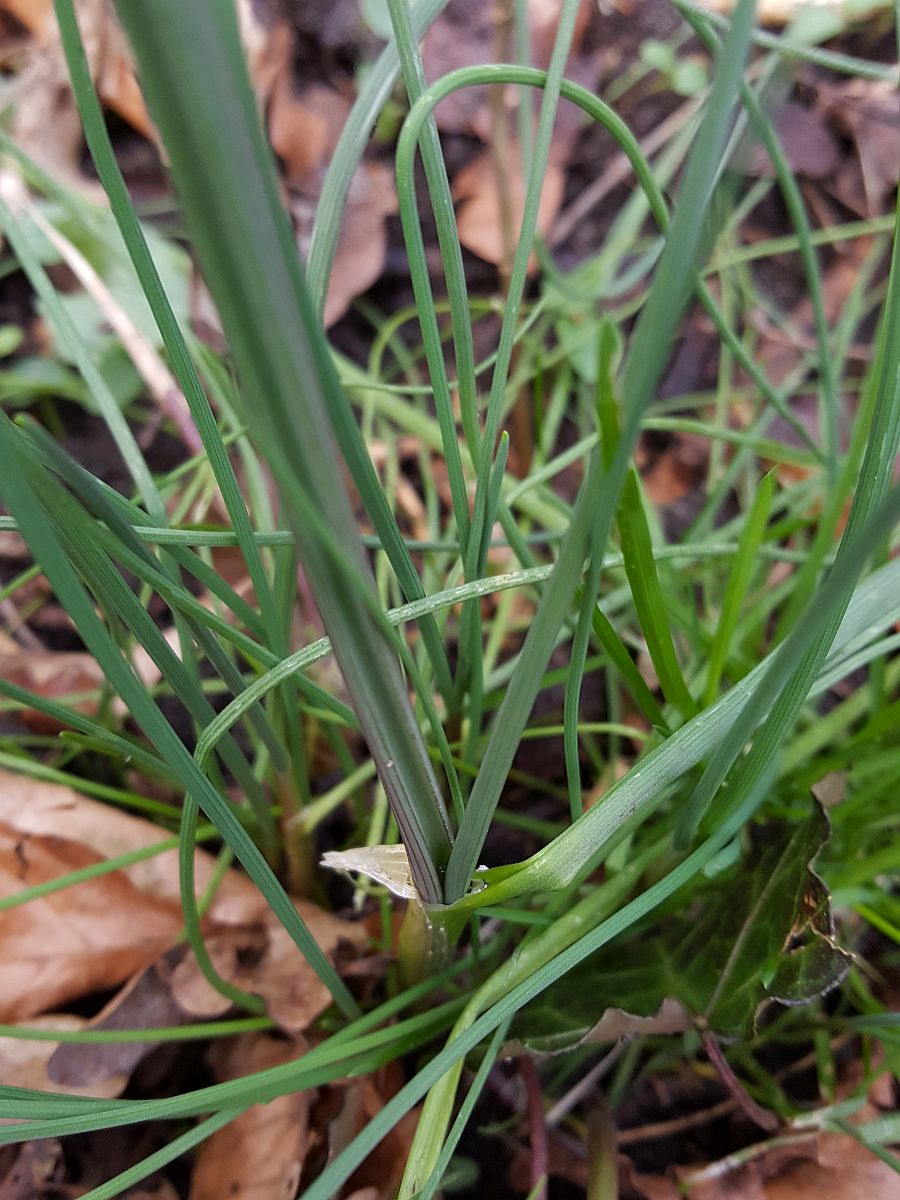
pixel 363 1101
pixel 53 811
pixel 304 128
pixel 97 934
pixel 84 939
pixel 231 953
pixel 25 1063
pixel 807 141
pixel 259 1156
pixel 362 242
pixel 145 1002
pixel 866 110
pixel 38 1168
pixel 54 674
pixel 464 35
pixel 827 1167
pixel 845 1170
pixel 277 970
pixel 478 216
pixel 46 121
pixel 51 674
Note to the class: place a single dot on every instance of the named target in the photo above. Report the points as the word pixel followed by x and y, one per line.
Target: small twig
pixel 17 628
pixel 156 375
pixel 537 1127
pixel 663 1129
pixel 576 1094
pixel 741 1157
pixel 754 1112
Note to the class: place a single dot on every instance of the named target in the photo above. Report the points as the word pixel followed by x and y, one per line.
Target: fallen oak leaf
pixel 84 939
pixel 260 1155
pixel 267 962
pixel 145 1002
pixel 51 810
pixel 363 1099
pixel 479 218
pixel 25 1062
pixel 38 1168
pixel 362 241
pixel 304 127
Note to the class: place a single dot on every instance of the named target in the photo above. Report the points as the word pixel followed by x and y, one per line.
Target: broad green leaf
pixel 761 931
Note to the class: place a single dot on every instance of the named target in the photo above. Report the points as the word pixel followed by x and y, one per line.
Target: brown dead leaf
pixel 464 35
pixel 677 471
pixel 807 141
pixel 97 934
pixel 827 1167
pixel 25 1063
pixel 145 1002
pixel 46 121
pixel 259 1156
pixel 362 243
pixel 38 1169
pixel 268 963
pixel 867 111
pixel 55 674
pixel 478 216
pixel 845 1170
pixel 51 674
pixel 304 128
pixel 84 939
pixel 55 812
pixel 363 1101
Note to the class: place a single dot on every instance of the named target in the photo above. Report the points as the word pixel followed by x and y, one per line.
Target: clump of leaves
pixel 706 843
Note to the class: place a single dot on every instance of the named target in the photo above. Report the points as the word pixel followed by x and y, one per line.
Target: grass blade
pixel 26 506
pixel 597 503
pixel 649 602
pixel 738 582
pixel 226 180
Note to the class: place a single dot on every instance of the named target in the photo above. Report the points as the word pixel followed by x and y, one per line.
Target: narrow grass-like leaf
pixel 110 410
pixel 875 605
pixel 226 180
pixel 451 253
pixel 793 199
pixel 84 549
pixel 800 658
pixel 618 655
pixel 594 511
pixel 162 1157
pixel 738 581
pixel 433 1182
pixel 649 603
pixel 343 1165
pixel 37 529
pixel 374 92
pixel 101 150
pixel 847 64
pixel 99 144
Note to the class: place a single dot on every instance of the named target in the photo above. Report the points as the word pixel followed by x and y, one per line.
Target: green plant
pixel 714 762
